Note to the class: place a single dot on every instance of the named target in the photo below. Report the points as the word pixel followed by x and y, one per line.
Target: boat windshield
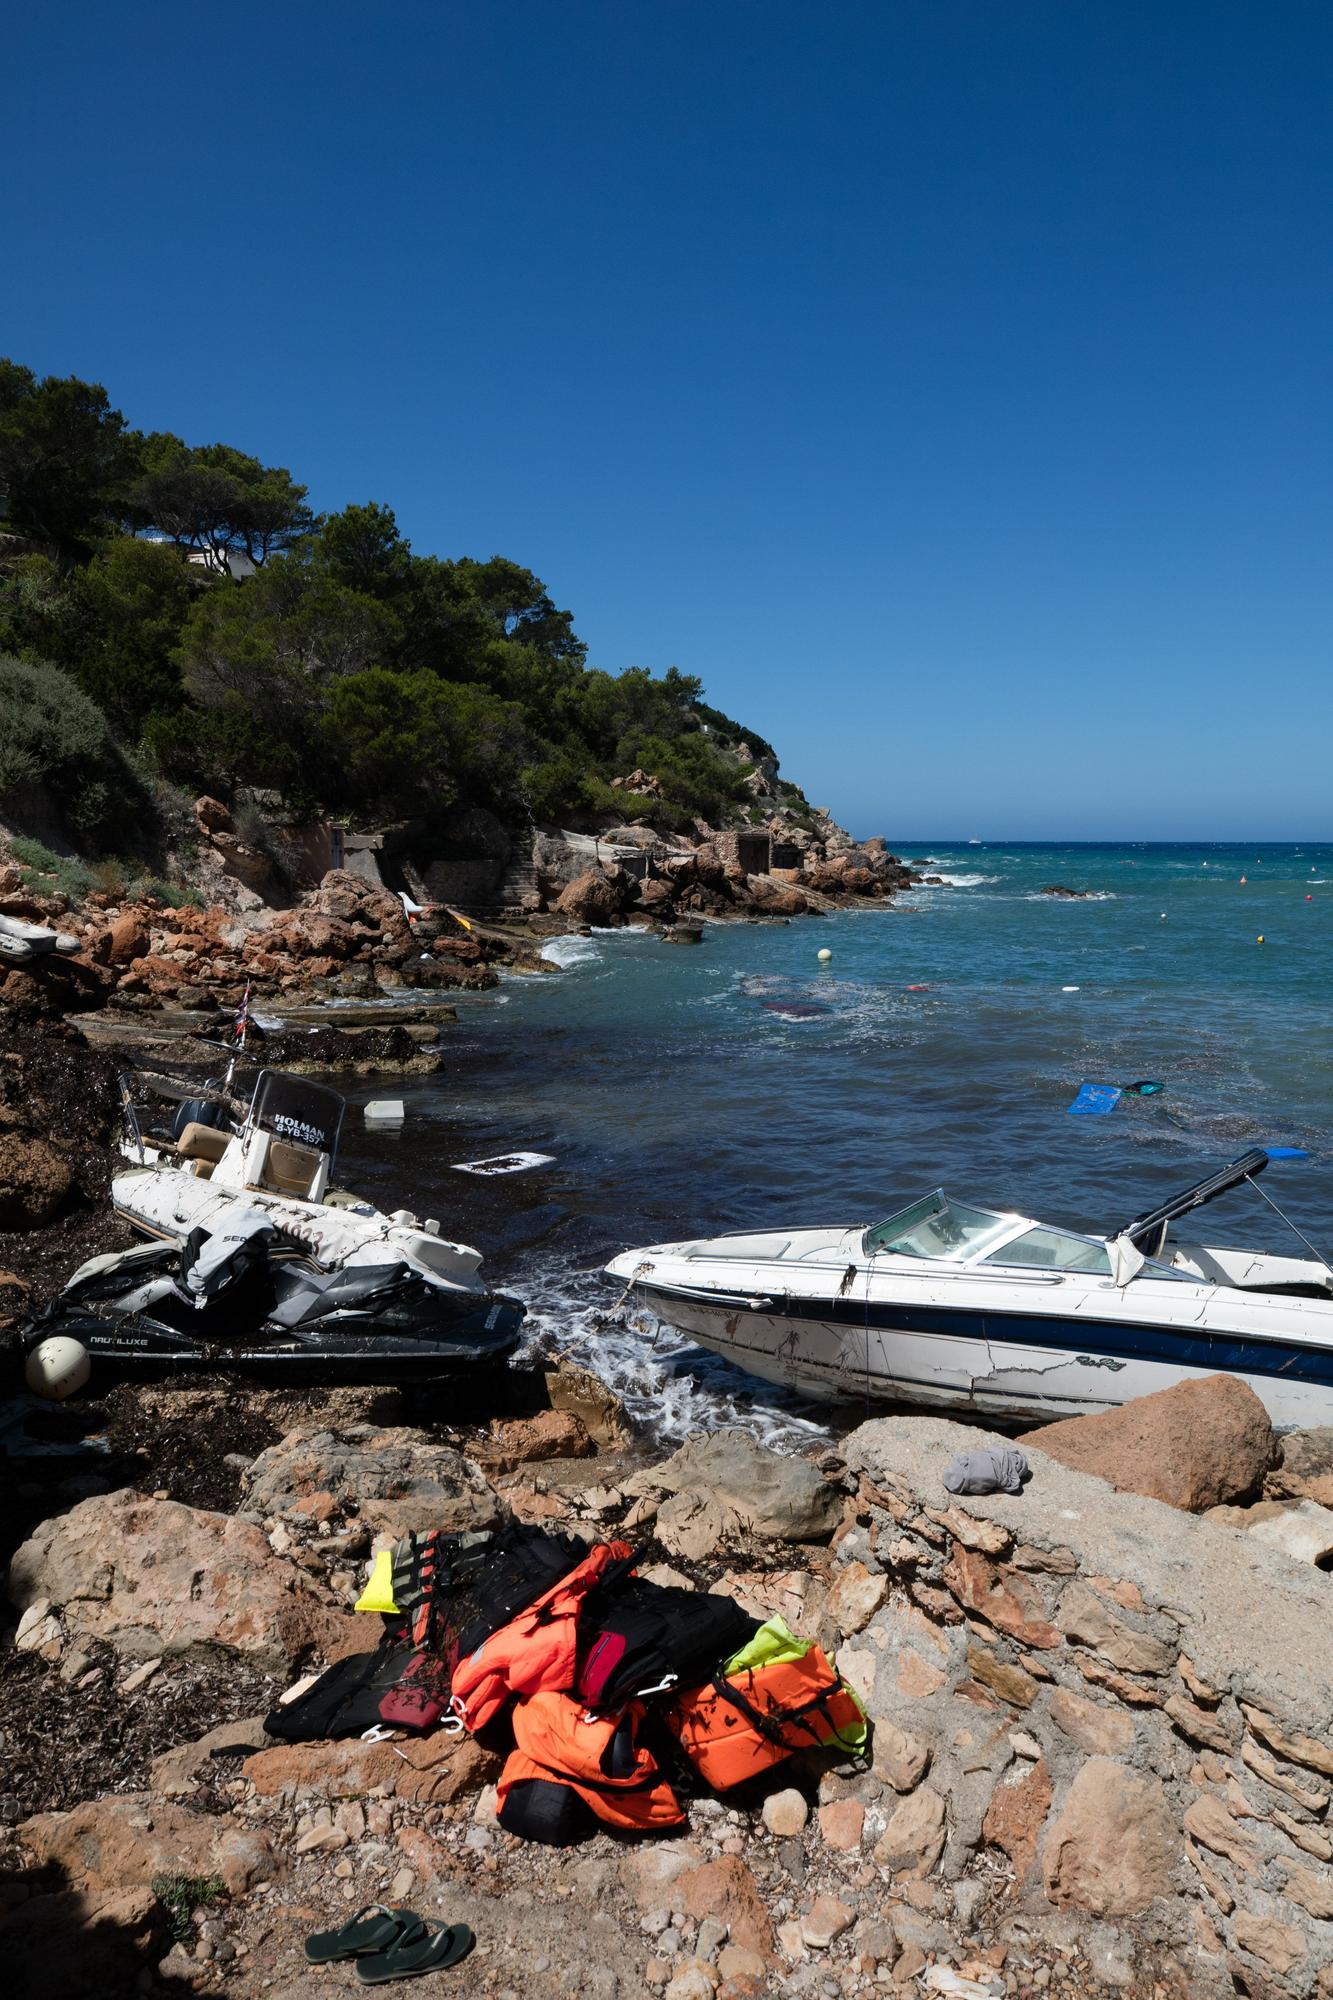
pixel 940 1228
pixel 1054 1250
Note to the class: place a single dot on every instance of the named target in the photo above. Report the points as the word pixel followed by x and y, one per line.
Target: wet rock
pixel 397 1480
pixel 580 1393
pixel 1194 1445
pixel 34 1180
pixel 110 1844
pixel 1112 1847
pixel 155 1578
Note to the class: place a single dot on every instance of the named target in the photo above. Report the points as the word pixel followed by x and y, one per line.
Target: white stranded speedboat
pixel 951 1306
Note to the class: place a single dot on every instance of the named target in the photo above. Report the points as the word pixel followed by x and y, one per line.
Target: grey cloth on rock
pixel 999 1469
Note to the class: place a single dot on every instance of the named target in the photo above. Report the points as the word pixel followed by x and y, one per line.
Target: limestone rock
pixel 913 1840
pixel 154 1578
pixel 1007 1599
pixel 1112 1847
pixel 775 1497
pixel 1194 1445
pixel 1292 1744
pixel 104 1941
pixel 826 1919
pixel 580 1393
pixel 1302 1529
pixel 785 1813
pixel 398 1480
pixel 117 1843
pixel 177 1772
pixel 842 1823
pixel 1101 1731
pixel 1086 1617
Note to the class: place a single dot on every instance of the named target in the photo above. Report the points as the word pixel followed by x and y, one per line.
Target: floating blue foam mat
pixel 1095 1100
pixel 1286 1152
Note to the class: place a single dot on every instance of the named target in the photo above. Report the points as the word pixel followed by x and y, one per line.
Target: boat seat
pixel 202 1142
pixel 289 1169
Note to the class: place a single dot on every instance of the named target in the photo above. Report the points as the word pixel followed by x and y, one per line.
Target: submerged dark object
pixel 254 1305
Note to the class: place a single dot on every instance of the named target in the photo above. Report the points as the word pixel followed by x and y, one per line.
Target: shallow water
pixel 688 1091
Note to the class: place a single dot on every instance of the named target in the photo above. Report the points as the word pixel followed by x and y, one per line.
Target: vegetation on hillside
pixel 177 612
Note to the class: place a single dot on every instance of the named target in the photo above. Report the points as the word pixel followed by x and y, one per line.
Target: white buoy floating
pixel 823 955
pixel 1069 989
pixel 57 1367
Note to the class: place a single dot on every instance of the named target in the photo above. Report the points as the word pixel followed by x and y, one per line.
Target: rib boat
pixel 258 1265
pixel 951 1306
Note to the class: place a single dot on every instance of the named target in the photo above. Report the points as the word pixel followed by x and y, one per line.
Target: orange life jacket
pixel 535 1651
pixel 597 1756
pixel 740 1725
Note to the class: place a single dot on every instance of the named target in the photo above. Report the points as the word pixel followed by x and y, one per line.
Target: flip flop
pixel 376 1928
pixel 441 1945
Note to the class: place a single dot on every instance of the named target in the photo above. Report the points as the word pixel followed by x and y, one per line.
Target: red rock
pixel 1016 1814
pixel 212 816
pixel 104 1941
pixel 430 1769
pixel 1008 1600
pixel 1103 1732
pixel 842 1824
pixel 110 1844
pixel 726 1889
pixel 127 938
pixel 550 1434
pixel 592 898
pixel 1195 1445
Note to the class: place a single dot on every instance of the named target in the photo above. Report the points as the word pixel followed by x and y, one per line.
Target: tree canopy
pixel 335 664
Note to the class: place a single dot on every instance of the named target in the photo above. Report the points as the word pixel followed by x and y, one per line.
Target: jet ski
pixel 239 1299
pixel 259 1265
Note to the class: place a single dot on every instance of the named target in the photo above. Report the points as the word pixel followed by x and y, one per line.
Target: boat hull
pixel 1024 1367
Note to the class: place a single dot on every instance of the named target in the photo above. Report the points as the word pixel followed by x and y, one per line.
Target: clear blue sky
pixel 946 382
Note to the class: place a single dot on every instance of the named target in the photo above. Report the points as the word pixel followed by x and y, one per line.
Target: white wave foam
pixel 668 1385
pixel 961 881
pixel 1089 896
pixel 571 950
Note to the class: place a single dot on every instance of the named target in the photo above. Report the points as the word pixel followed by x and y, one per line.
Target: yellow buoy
pixel 824 955
pixel 1260 938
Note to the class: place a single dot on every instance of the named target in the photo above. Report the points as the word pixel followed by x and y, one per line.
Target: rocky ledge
pixel 1103 1725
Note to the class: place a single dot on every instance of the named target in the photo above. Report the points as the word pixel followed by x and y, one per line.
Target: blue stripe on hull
pixel 1231 1354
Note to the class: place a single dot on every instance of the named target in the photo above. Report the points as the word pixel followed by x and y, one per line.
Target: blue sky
pixel 946 383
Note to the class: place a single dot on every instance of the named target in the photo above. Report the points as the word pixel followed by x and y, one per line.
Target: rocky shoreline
pixel 1103 1709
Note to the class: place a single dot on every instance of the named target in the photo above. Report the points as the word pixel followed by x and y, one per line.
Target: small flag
pixel 242 1017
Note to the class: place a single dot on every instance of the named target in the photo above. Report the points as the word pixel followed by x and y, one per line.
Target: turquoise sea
pixel 687 1091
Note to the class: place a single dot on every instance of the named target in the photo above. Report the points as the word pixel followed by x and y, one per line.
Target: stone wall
pixel 1127 1709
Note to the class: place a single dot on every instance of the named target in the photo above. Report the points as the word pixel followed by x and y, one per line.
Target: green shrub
pixel 169 893
pixel 52 735
pixel 50 874
pixel 181 1895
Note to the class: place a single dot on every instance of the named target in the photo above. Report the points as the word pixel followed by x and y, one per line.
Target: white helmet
pixel 57 1367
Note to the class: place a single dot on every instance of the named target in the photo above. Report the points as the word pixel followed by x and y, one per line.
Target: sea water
pixel 738 1084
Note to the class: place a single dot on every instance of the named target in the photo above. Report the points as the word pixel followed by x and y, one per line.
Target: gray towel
pixel 999 1469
